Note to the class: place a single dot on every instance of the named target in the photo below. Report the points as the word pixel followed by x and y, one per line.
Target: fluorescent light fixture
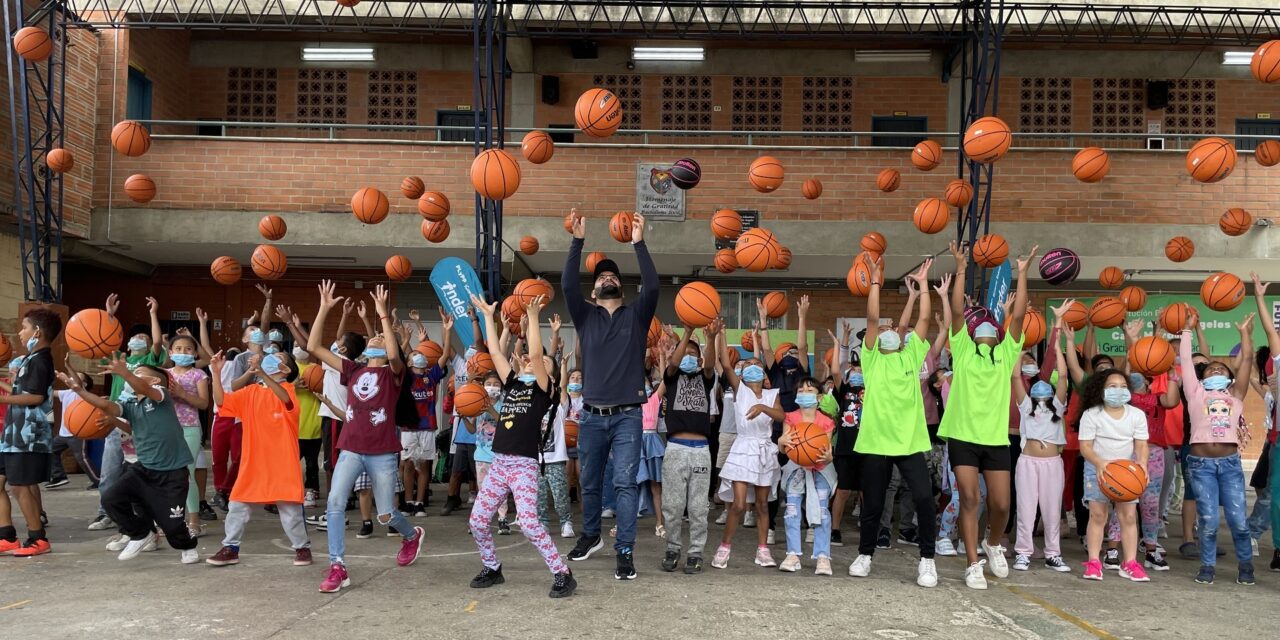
pixel 676 54
pixel 1168 275
pixel 892 55
pixel 1236 58
pixel 320 261
pixel 337 54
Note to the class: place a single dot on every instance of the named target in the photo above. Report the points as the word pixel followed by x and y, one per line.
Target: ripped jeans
pixel 383 470
pixel 1219 482
pixel 795 486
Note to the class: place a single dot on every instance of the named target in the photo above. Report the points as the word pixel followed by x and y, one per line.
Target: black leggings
pixel 309 452
pixel 876 473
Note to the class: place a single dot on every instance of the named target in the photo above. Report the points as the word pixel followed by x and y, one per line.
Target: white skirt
pixel 753 461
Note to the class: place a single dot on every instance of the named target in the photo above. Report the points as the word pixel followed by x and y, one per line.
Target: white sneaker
pixel 791 564
pixel 749 520
pixel 566 530
pixel 999 566
pixel 973 577
pixel 769 538
pixel 808 537
pixel 134 547
pixel 1022 563
pixel 861 567
pixel 724 516
pixel 117 542
pixel 943 547
pixel 927 573
pixel 471 499
pixel 960 548
pixel 607 513
pixel 100 523
pixel 190 556
pixel 309 500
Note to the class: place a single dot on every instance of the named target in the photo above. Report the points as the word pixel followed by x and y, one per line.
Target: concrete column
pixel 524 100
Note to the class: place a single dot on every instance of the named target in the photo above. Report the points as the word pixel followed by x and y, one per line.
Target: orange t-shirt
pixel 269 470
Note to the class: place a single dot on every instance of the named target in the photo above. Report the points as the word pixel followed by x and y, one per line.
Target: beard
pixel 609 292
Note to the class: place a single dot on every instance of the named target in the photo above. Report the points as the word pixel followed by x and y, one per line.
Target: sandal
pixel 660 531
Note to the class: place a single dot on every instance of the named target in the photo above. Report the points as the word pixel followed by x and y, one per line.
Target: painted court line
pixel 1073 619
pixel 15 605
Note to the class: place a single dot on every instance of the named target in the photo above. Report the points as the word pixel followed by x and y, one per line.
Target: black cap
pixel 606 265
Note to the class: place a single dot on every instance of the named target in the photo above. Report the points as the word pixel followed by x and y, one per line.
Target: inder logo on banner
pixel 455 281
pixel 998 289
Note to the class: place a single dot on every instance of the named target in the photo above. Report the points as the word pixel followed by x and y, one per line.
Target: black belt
pixel 608 411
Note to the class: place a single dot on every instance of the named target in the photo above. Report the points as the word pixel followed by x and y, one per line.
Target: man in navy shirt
pixel 613 340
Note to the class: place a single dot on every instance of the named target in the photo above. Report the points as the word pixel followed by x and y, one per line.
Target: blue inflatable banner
pixel 998 288
pixel 455 281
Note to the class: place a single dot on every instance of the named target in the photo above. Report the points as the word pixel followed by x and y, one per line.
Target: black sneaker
pixel 671 561
pixel 488 578
pixel 1206 575
pixel 909 536
pixel 626 568
pixel 836 541
pixel 1246 574
pixel 693 564
pixel 1156 562
pixel 563 585
pixel 451 504
pixel 504 527
pixel 272 509
pixel 366 530
pixel 222 501
pixel 206 512
pixel 54 484
pixel 1112 560
pixel 1275 560
pixel 882 541
pixel 585 547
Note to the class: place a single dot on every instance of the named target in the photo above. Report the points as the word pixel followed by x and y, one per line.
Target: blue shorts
pixel 1092 491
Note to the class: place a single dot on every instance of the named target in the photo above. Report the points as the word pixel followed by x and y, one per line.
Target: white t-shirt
pixel 729 424
pixel 227 377
pixel 336 392
pixel 1112 438
pixel 556 450
pixel 66 397
pixel 1041 426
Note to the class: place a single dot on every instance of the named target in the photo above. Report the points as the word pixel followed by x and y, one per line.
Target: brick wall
pixel 162 56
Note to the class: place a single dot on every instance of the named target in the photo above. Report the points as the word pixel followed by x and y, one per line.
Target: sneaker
pixel 910 537
pixel 206 512
pixel 504 527
pixel 1155 561
pixel 764 558
pixel 563 585
pixel 973 577
pixel 101 522
pixel 391 532
pixel 626 566
pixel 769 538
pixel 224 501
pixel 1112 560
pixel 419 510
pixel 1245 577
pixel 1189 550
pixel 54 484
pixel 44 519
pixel 7 547
pixel 927 573
pixel 317 519
pixel 749 520
pixel 960 548
pixel 721 559
pixel 1092 570
pixel 116 543
pixel 410 547
pixel 366 530
pixel 190 556
pixel 995 555
pixel 883 540
pixel 723 517
pixel 1022 563
pixel 488 578
pixel 943 547
pixel 836 540
pixel 861 566
pixel 823 566
pixel 1206 575
pixel 670 561
pixel 566 530
pixel 790 564
pixel 808 536
pixel 1133 571
pixel 336 580
pixel 41 547
pixel 302 557
pixel 134 547
pixel 1057 564
pixel 451 504
pixel 309 498
pixel 1275 560
pixel 224 556
pixel 608 513
pixel 585 547
pixel 1253 543
pixel 195 531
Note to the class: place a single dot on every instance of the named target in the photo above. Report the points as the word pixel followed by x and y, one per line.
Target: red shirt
pixel 372 392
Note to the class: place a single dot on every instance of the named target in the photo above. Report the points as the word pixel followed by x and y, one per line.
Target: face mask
pixel 575 387
pixel 1030 370
pixel 1216 383
pixel 270 365
pixel 126 394
pixel 493 392
pixel 855 379
pixel 31 343
pixel 135 344
pixel 807 400
pixel 334 348
pixel 1041 390
pixel 527 378
pixel 890 341
pixel 418 361
pixel 648 389
pixel 985 330
pixel 15 364
pixel 269 349
pixel 471 351
pixel 1137 381
pixel 790 362
pixel 256 337
pixel 689 364
pixel 300 354
pixel 1115 396
pixel 275 336
pixel 737 371
pixel 183 359
pixel 753 373
pixel 373 352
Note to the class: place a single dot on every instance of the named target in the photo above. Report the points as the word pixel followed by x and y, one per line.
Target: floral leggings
pixel 1148 504
pixel 553 485
pixel 517 476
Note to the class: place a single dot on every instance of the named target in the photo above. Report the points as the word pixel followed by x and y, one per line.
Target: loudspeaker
pixel 1157 94
pixel 550 89
pixel 584 50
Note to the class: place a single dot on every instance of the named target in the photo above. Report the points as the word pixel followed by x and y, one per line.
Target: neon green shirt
pixel 892 408
pixel 148 358
pixel 308 408
pixel 978 406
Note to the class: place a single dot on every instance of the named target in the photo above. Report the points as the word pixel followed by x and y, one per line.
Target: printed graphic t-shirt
pixel 370 426
pixel 520 426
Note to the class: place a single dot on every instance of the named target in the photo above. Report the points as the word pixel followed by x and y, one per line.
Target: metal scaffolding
pixel 980 95
pixel 489 74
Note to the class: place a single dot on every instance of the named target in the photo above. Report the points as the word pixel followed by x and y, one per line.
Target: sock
pixel 9 534
pixel 234 547
pixel 35 534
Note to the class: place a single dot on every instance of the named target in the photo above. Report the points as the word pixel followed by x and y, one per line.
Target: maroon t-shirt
pixel 370 427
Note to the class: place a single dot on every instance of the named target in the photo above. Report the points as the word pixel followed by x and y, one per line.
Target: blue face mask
pixel 1041 390
pixel 527 378
pixel 753 373
pixel 256 337
pixel 1216 383
pixel 890 341
pixel 183 359
pixel 1115 396
pixel 373 352
pixel 15 364
pixel 271 348
pixel 275 336
pixel 271 365
pixel 790 362
pixel 135 344
pixel 126 394
pixel 856 380
pixel 334 348
pixel 689 364
pixel 575 387
pixel 807 400
pixel 471 351
pixel 31 343
pixel 418 361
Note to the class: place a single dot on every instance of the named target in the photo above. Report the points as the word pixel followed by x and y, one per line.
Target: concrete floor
pixel 81 590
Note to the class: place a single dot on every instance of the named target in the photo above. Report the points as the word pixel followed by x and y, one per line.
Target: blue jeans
pixel 1260 520
pixel 608 497
pixel 791 517
pixel 112 465
pixel 382 469
pixel 599 436
pixel 1274 481
pixel 1219 482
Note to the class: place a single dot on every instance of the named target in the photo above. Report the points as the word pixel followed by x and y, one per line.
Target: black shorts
pixel 464 462
pixel 985 458
pixel 848 472
pixel 24 469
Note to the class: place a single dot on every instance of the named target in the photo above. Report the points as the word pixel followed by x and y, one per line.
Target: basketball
pixel 272 227
pixel 537 147
pixel 512 309
pixel 1174 317
pixel 570 433
pixel 1211 160
pixel 1235 222
pixel 987 140
pixel 775 304
pixel 726 224
pixel 859 278
pixel 1111 278
pixel 811 189
pixel 348 3
pixel 784 258
pixel 593 258
pixel 370 206
pixel 470 399
pixel 889 180
pixel 130 138
pixel 1222 291
pixel 1264 65
pixel 1179 249
pixel 313 378
pixel 225 270
pixel 697 304
pixel 412 187
pixel 59 160
pixel 33 44
pixel 621 224
pixel 1122 481
pixel 1076 316
pixel 755 250
pixel 1090 164
pixel 654 333
pixel 495 174
pixel 268 262
pixel 726 261
pixel 1151 356
pixel 1133 297
pixel 529 288
pixel 598 113
pixel 528 245
pixel 765 174
pixel 958 193
pixel 93 334
pixel 81 419
pixel 398 268
pixel 926 155
pixel 433 206
pixel 808 444
pixel 1267 153
pixel 975 315
pixel 990 251
pixel 431 351
pixel 480 364
pixel 1033 327
pixel 568 222
pixel 874 243
pixel 6 350
pixel 1107 312
pixel 686 173
pixel 747 343
pixel 1060 266
pixel 435 231
pixel 931 215
pixel 140 188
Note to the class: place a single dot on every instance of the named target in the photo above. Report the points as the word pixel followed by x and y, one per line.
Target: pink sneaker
pixel 1134 571
pixel 721 559
pixel 409 548
pixel 336 580
pixel 1093 569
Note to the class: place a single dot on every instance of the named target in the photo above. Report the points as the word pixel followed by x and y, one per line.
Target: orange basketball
pixel 987 140
pixel 755 250
pixel 1033 327
pixel 784 258
pixel 874 242
pixel 931 215
pixel 435 232
pixel 859 278
pixel 811 189
pixel 1179 249
pixel 889 180
pixel 697 304
pixel 268 262
pixel 140 188
pixel 1265 63
pixel 480 364
pixel 1090 164
pixel 130 138
pixel 369 205
pixel 1151 356
pixel 6 349
pixel 655 332
pixel 93 334
pixel 470 399
pixel 1173 318
pixel 568 222
pixel 399 268
pixel 593 258
pixel 433 206
pixel 412 187
pixel 512 309
pixel 81 419
pixel 1133 297
pixel 495 174
pixel 726 224
pixel 33 44
pixel 1222 291
pixel 1076 316
pixel 809 443
pixel 348 3
pixel 431 351
pixel 958 193
pixel 726 261
pixel 765 174
pixel 1122 481
pixel 775 304
pixel 1267 153
pixel 59 160
pixel 1235 222
pixel 747 343
pixel 225 270
pixel 1107 312
pixel 529 288
pixel 990 251
pixel 620 225
pixel 1111 278
pixel 1211 160
pixel 272 227
pixel 570 433
pixel 927 155
pixel 537 147
pixel 313 378
pixel 598 112
pixel 528 245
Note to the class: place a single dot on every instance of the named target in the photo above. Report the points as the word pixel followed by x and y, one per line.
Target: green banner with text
pixel 1219 326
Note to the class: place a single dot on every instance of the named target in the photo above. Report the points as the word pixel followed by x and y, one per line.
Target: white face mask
pixel 493 391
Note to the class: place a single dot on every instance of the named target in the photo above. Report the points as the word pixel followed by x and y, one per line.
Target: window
pixel 757 103
pixel 1193 106
pixel 251 94
pixel 393 97
pixel 686 103
pixel 738 308
pixel 322 95
pixel 1044 105
pixel 627 87
pixel 138 102
pixel 1119 105
pixel 827 104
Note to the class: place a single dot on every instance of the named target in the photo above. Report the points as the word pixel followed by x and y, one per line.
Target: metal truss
pixel 489 74
pixel 980 95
